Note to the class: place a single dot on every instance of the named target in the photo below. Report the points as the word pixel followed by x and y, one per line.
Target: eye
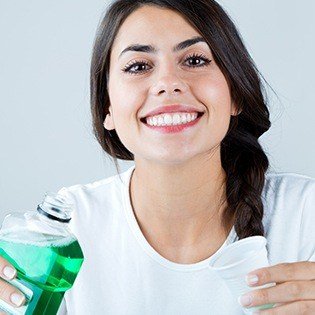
pixel 134 65
pixel 138 64
pixel 195 56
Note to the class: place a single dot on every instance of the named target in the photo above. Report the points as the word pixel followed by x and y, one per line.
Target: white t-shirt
pixel 123 274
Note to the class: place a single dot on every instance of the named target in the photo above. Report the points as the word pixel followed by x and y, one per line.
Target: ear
pixel 234 111
pixel 109 122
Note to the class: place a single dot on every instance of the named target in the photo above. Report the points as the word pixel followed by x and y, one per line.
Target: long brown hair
pixel 243 158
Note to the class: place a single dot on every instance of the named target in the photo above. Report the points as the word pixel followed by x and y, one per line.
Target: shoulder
pixel 96 204
pixel 103 187
pixel 288 190
pixel 289 206
pixel 97 199
pixel 282 183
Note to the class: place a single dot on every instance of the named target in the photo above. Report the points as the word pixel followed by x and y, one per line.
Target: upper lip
pixel 173 109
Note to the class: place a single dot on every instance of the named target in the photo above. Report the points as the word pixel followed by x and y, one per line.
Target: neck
pixel 180 206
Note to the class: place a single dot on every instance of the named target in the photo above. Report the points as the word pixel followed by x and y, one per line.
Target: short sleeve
pixel 307 248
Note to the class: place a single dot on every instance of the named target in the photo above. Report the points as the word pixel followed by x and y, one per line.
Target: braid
pixel 245 164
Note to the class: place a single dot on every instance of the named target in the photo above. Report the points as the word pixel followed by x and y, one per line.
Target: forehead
pixel 150 24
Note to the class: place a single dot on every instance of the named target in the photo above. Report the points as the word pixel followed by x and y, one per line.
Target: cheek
pixel 213 92
pixel 126 103
pixel 125 106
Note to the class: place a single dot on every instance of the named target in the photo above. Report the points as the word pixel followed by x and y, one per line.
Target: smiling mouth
pixel 144 119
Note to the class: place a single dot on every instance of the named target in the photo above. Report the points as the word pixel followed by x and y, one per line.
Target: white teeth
pixel 171 119
pixel 160 120
pixel 176 119
pixel 184 119
pixel 168 119
pixel 155 121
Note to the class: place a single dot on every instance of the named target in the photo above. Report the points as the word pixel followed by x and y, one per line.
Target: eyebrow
pixel 151 49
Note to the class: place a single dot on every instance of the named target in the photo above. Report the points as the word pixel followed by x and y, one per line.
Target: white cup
pixel 233 262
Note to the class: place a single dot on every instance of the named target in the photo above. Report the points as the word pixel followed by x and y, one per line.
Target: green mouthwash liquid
pixel 48 269
pixel 47 258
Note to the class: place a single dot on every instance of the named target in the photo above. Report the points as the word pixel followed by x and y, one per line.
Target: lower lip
pixel 175 128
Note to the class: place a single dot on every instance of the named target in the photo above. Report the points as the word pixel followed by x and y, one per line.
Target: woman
pixel 174 89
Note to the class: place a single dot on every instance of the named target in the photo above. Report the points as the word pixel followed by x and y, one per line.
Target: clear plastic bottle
pixel 46 255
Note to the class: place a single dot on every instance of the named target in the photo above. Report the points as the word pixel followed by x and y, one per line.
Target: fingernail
pixel 251 279
pixel 17 299
pixel 245 300
pixel 9 272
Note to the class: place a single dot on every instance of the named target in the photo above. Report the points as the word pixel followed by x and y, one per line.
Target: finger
pixel 7 271
pixel 10 294
pixel 302 270
pixel 280 293
pixel 294 308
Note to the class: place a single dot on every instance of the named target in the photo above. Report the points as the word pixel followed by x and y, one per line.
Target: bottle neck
pixel 55 207
pixel 52 216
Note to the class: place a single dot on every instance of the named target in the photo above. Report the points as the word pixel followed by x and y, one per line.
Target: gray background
pixel 46 135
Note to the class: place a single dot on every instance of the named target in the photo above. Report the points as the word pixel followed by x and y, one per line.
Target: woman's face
pixel 164 78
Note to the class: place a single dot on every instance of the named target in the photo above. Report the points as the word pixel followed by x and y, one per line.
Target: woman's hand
pixel 294 292
pixel 9 293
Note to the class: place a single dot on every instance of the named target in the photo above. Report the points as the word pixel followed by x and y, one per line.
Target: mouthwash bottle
pixel 46 255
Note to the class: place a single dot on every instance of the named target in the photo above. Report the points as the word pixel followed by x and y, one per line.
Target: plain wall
pixel 46 134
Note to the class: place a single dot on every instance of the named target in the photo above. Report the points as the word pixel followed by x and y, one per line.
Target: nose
pixel 169 84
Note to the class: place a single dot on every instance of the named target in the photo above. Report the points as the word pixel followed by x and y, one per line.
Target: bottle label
pixel 11 310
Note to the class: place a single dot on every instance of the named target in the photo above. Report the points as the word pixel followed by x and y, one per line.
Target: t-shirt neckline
pixel 134 226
